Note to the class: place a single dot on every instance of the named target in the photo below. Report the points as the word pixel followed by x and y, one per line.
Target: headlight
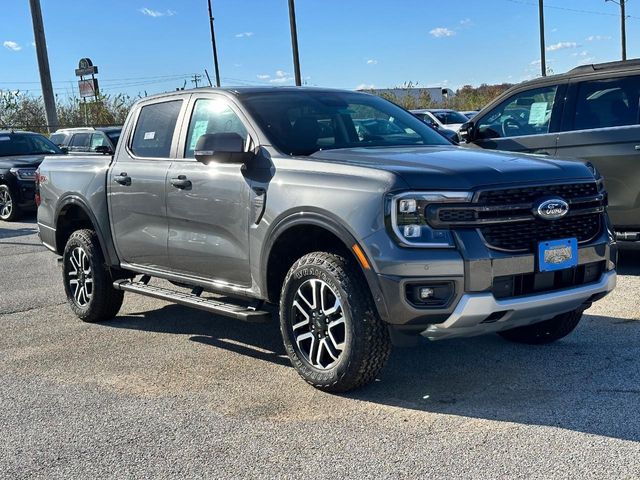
pixel 408 222
pixel 24 173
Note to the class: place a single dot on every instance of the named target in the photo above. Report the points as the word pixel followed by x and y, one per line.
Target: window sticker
pixel 199 129
pixel 149 135
pixel 538 113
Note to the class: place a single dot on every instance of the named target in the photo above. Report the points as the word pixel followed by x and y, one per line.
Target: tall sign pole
pixel 213 45
pixel 623 29
pixel 43 66
pixel 543 58
pixel 294 42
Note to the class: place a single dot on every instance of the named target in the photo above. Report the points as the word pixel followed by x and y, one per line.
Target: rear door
pixel 137 185
pixel 602 126
pixel 525 122
pixel 209 218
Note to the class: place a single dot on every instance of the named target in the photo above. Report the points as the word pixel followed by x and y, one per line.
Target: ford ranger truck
pixel 362 225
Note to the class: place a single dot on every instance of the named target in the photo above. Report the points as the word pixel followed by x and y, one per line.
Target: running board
pixel 239 312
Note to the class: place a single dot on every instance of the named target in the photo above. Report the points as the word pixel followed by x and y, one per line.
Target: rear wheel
pixel 9 210
pixel 87 281
pixel 331 331
pixel 545 332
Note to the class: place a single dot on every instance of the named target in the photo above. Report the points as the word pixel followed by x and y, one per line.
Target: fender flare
pixel 330 222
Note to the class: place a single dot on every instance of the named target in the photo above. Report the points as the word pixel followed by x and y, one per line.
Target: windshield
pixel 16 144
pixel 303 122
pixel 450 116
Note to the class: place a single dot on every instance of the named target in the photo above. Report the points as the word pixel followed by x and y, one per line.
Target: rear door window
pixel 80 140
pixel 525 113
pixel 155 129
pixel 607 103
pixel 98 140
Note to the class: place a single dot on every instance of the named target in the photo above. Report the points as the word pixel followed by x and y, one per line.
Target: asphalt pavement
pixel 163 391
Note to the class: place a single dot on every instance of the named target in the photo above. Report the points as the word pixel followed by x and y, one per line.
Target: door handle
pixel 123 179
pixel 181 182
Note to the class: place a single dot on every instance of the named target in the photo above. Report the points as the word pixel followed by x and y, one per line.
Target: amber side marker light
pixel 361 257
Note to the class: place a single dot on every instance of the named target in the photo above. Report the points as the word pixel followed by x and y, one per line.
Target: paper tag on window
pixel 538 113
pixel 149 135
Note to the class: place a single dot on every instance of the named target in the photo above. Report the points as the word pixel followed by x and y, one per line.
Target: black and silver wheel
pixel 545 332
pixel 87 281
pixel 331 330
pixel 9 210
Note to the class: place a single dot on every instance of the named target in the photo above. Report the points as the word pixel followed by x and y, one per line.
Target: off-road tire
pixel 545 332
pixel 366 346
pixel 105 301
pixel 14 211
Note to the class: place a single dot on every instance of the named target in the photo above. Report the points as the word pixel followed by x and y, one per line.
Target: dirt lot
pixel 164 391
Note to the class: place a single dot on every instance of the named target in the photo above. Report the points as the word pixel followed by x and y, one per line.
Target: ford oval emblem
pixel 552 209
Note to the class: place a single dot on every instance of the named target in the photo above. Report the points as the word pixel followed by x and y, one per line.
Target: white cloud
pixel 244 34
pixel 561 46
pixel 366 86
pixel 372 61
pixel 280 76
pixel 465 22
pixel 264 77
pixel 442 32
pixel 583 53
pixel 156 13
pixel 12 45
pixel 594 38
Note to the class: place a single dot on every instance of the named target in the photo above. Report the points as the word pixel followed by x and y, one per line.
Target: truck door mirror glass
pixel 466 132
pixel 221 148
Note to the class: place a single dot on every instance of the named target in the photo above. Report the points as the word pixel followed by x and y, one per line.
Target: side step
pixel 239 312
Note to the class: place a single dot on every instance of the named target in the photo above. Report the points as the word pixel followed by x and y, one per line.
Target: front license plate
pixel 557 254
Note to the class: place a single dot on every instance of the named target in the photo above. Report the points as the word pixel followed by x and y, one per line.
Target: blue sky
pixel 154 45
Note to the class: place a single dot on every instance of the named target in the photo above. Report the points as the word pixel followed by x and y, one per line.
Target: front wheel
pixel 332 333
pixel 87 281
pixel 9 210
pixel 545 332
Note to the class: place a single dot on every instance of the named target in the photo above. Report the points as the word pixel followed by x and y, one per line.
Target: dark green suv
pixel 590 113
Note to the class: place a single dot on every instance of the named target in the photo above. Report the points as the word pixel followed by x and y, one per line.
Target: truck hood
pixel 21 161
pixel 458 168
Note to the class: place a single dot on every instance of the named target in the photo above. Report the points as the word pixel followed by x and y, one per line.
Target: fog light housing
pixel 430 295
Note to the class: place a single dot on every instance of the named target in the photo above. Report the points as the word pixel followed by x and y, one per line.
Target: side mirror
pixel 104 149
pixel 466 132
pixel 221 148
pixel 64 150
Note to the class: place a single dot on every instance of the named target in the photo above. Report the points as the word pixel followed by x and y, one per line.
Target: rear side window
pixel 607 103
pixel 154 130
pixel 80 140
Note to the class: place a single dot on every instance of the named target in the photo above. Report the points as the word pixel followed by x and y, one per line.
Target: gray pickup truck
pixel 363 225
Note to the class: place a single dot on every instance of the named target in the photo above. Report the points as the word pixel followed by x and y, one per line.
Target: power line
pixel 575 10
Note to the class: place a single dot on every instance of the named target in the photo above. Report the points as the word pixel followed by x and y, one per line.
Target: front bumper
pixel 480 313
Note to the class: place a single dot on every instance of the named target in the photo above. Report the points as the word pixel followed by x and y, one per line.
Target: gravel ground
pixel 163 391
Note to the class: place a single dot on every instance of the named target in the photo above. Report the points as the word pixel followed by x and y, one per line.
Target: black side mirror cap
pixel 221 148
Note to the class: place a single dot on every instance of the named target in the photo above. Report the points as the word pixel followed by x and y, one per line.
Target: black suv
pixel 591 113
pixel 20 155
pixel 87 139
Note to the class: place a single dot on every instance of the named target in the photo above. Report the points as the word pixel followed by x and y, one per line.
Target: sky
pixel 151 46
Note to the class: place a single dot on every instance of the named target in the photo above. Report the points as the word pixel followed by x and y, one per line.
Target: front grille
pixel 530 194
pixel 507 220
pixel 530 283
pixel 525 235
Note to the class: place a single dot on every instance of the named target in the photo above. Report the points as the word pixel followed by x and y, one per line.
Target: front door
pixel 522 123
pixel 137 187
pixel 208 205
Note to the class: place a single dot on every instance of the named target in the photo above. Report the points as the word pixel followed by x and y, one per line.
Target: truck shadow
pixel 588 382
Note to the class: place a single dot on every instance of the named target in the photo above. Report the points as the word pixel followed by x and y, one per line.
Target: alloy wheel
pixel 80 277
pixel 6 204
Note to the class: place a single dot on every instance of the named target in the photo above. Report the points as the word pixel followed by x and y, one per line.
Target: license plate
pixel 557 254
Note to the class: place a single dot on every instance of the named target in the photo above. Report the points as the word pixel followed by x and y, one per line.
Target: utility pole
pixel 623 26
pixel 196 78
pixel 43 66
pixel 213 45
pixel 543 57
pixel 294 42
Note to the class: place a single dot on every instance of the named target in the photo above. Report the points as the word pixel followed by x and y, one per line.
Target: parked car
pixel 470 113
pixel 271 196
pixel 443 117
pixel 589 113
pixel 20 155
pixel 430 120
pixel 101 140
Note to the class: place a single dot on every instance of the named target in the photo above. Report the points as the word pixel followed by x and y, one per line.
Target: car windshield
pixel 450 116
pixel 305 121
pixel 16 144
